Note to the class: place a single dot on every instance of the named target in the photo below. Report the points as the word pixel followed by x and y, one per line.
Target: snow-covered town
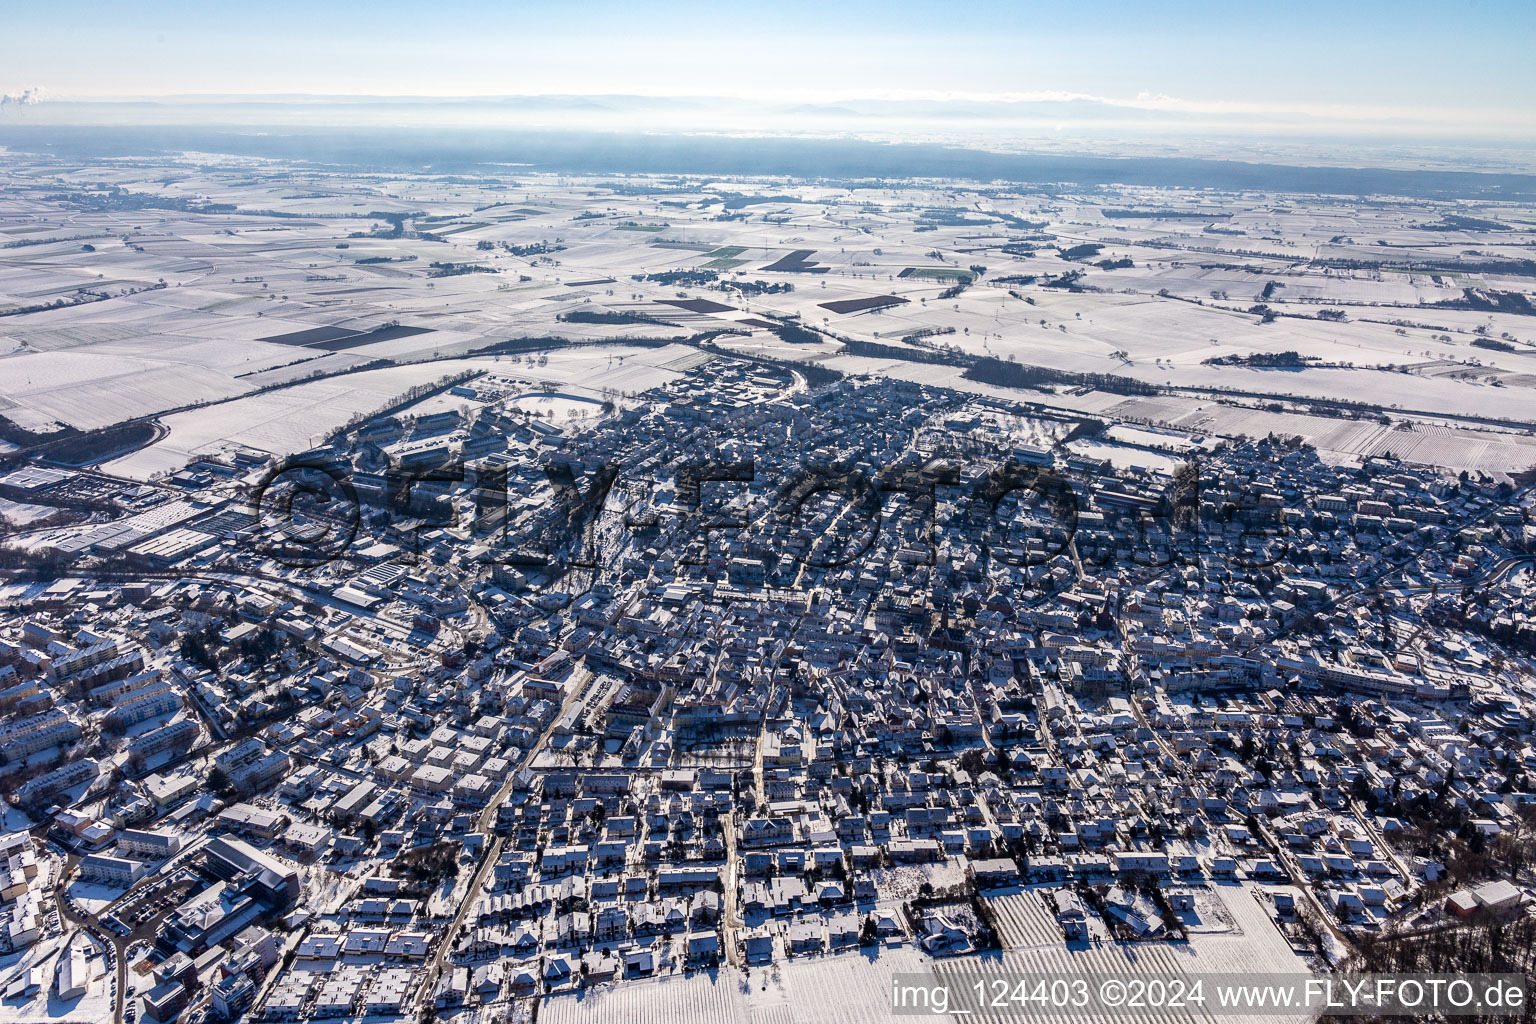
pixel 856 668
pixel 490 582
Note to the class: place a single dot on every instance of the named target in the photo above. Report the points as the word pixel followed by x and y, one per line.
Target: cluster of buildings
pixel 816 667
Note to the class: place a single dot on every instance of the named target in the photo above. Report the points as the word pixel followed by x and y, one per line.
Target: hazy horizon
pixel 1421 85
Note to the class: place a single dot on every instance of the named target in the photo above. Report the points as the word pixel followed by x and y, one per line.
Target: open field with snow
pixel 44 961
pixel 855 987
pixel 306 297
pixel 292 419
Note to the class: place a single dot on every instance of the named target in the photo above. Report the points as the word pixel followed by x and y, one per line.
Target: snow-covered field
pixel 168 308
pixel 298 417
pixel 43 960
pixel 855 987
pixel 91 896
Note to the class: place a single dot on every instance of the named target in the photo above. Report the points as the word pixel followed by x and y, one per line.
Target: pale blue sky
pixel 1466 63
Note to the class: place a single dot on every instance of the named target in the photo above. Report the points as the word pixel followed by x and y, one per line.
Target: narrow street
pixel 485 825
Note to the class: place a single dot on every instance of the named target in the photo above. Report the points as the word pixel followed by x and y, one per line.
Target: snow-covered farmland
pixel 1386 303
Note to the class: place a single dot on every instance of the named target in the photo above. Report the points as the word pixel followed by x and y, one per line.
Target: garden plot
pixel 1252 945
pixel 1452 448
pixel 712 997
pixel 906 882
pixel 848 988
pixel 1024 920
